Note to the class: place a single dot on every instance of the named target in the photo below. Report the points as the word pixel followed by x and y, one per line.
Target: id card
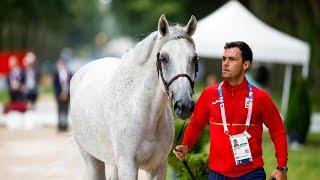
pixel 241 149
pixel 247 103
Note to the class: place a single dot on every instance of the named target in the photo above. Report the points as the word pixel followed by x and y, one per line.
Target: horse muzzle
pixel 184 108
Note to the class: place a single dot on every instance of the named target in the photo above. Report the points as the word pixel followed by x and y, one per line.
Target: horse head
pixel 177 64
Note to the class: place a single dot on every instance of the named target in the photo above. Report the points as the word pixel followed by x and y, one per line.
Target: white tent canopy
pixel 233 22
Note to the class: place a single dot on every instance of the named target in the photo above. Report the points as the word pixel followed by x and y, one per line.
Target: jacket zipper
pixel 232 102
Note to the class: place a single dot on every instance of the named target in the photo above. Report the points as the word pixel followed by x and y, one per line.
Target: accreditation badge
pixel 247 103
pixel 241 149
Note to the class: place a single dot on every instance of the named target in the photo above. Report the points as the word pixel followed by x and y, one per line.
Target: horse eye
pixel 163 59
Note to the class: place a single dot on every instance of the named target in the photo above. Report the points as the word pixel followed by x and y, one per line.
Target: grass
pixel 4 98
pixel 302 164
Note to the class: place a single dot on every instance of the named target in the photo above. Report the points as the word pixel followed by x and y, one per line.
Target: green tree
pixel 298 116
pixel 48 26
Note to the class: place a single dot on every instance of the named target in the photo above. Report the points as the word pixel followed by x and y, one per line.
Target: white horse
pixel 120 107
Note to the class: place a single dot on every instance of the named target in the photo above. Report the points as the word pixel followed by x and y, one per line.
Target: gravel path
pixel 36 154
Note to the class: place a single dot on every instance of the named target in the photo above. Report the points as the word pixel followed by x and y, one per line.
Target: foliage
pixel 298 117
pixel 4 97
pixel 198 163
pixel 48 26
pixel 197 159
pixel 142 15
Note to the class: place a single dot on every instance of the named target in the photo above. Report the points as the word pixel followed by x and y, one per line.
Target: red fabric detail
pixel 16 106
pixel 4 59
pixel 207 111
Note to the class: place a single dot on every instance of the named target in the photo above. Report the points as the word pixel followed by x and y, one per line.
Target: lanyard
pixel 222 109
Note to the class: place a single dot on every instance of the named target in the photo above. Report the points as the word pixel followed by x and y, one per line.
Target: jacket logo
pixel 215 102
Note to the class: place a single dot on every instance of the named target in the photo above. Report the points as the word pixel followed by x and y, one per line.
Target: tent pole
pixel 305 70
pixel 286 90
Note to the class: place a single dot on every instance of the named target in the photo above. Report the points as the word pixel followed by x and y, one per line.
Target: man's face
pixel 232 65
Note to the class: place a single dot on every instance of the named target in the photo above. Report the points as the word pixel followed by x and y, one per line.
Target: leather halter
pixel 167 84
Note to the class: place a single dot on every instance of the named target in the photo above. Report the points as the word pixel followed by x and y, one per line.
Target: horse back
pixel 101 69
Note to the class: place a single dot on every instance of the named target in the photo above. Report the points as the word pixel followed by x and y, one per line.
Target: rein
pixel 167 84
pixel 185 163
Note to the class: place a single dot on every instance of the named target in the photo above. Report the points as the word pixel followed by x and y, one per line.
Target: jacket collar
pixel 242 85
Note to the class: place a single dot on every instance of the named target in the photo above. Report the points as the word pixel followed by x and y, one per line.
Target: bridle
pixel 167 84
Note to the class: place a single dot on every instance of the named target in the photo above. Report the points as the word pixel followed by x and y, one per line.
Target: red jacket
pixel 207 111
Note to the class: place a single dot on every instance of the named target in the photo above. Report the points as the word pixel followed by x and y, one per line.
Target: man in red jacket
pixel 235 112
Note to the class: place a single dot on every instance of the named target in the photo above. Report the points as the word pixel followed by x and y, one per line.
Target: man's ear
pixel 246 65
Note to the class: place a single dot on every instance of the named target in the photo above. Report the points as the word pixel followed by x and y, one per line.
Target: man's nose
pixel 226 63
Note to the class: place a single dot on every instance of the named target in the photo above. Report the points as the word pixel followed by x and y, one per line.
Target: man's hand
pixel 63 96
pixel 181 151
pixel 278 175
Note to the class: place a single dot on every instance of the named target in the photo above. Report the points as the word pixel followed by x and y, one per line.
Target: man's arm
pixel 273 121
pixel 198 121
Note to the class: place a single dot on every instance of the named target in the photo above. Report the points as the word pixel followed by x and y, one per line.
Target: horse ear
pixel 163 25
pixel 191 26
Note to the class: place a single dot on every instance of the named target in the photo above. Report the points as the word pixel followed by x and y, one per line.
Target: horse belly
pixel 94 141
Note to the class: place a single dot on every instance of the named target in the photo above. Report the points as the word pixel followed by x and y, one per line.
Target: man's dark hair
pixel 246 52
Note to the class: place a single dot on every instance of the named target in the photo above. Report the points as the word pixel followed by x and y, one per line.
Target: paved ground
pixel 35 154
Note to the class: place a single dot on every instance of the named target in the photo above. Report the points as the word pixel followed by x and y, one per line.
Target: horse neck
pixel 156 98
pixel 144 57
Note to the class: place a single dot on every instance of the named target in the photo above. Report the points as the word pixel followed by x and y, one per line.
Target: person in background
pixel 211 79
pixel 32 77
pixel 62 77
pixel 15 81
pixel 235 111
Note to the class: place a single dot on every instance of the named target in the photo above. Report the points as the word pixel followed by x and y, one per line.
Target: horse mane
pixel 153 42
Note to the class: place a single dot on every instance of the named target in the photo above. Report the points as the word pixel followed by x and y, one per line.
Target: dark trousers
pixel 16 96
pixel 258 174
pixel 63 107
pixel 32 97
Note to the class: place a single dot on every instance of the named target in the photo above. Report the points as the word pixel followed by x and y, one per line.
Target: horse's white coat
pixel 120 111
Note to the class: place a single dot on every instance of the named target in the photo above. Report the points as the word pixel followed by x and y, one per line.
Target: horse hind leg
pixel 95 167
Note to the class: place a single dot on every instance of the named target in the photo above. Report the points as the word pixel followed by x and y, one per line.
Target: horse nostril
pixel 184 109
pixel 178 106
pixel 191 106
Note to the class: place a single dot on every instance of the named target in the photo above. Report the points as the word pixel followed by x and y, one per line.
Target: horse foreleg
pixel 127 168
pixel 114 175
pixel 95 167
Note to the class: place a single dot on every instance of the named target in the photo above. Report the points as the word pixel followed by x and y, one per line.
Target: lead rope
pixel 185 163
